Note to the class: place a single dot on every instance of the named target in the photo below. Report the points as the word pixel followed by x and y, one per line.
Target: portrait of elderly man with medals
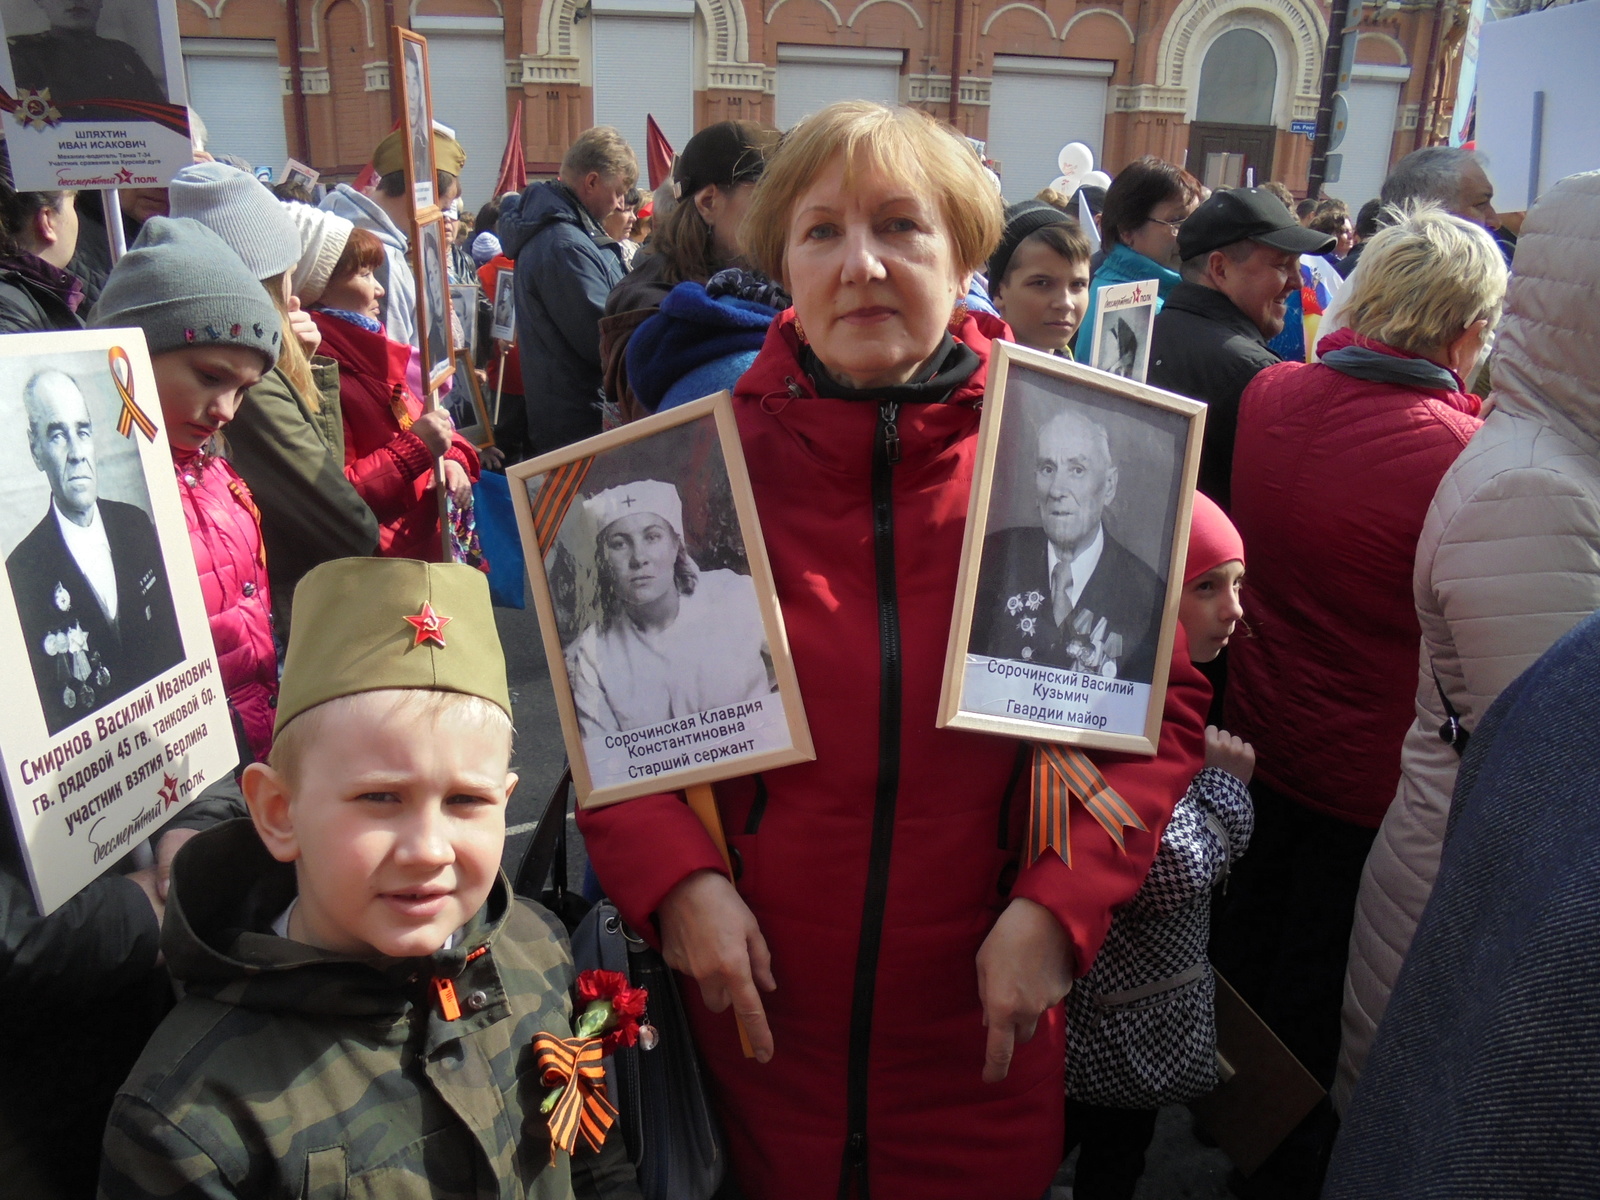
pixel 671 640
pixel 77 65
pixel 1065 592
pixel 89 581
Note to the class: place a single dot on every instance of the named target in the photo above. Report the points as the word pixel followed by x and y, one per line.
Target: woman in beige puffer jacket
pixel 1509 560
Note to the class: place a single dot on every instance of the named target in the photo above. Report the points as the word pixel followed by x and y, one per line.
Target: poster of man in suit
pixel 1068 582
pixel 89 582
pixel 115 714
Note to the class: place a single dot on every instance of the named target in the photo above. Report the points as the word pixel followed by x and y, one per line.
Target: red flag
pixel 513 163
pixel 658 153
pixel 368 178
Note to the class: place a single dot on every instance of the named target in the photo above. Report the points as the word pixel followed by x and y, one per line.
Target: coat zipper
pixel 885 454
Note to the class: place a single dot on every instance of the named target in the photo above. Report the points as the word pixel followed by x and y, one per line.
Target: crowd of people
pixel 1401 438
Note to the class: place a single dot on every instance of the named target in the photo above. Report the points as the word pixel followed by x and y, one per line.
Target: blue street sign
pixel 1308 128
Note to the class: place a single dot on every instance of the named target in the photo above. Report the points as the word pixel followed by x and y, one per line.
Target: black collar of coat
pixel 1211 305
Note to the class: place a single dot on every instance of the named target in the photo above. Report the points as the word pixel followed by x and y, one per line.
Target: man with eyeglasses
pixel 1240 261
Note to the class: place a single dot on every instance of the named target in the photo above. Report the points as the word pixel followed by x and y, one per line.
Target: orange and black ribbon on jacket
pixel 1060 773
pixel 574 1065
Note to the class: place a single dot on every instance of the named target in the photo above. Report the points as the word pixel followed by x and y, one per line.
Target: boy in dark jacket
pixel 361 986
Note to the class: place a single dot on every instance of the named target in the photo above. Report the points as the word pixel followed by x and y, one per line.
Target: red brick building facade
pixel 1183 79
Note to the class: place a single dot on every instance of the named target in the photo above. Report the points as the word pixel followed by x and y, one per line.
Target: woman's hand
pixel 456 481
pixel 303 327
pixel 1024 970
pixel 708 931
pixel 1230 753
pixel 435 429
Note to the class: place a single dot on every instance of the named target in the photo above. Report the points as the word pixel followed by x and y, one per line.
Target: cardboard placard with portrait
pixel 92 93
pixel 1072 566
pixel 657 607
pixel 116 717
pixel 1124 320
pixel 503 326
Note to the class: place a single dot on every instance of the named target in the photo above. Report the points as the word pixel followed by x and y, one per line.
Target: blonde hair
pixel 902 143
pixel 292 360
pixel 601 148
pixel 415 706
pixel 1424 279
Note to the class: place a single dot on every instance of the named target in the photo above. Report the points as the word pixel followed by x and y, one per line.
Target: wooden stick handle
pixel 703 802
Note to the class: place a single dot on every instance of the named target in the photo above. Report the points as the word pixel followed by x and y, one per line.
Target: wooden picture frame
pixel 503 324
pixel 481 432
pixel 732 711
pixel 1089 470
pixel 416 115
pixel 432 272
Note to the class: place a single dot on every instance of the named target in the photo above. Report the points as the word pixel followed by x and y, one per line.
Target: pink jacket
pixel 225 532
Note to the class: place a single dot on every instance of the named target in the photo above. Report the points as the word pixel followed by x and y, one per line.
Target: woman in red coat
pixel 390 443
pixel 900 972
pixel 1334 467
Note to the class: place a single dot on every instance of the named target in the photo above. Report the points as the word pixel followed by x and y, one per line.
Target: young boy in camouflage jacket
pixel 361 987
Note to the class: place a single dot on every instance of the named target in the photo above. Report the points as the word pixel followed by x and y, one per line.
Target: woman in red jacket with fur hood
pixel 390 443
pixel 880 919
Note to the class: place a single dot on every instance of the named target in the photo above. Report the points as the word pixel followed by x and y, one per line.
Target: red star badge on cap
pixel 429 625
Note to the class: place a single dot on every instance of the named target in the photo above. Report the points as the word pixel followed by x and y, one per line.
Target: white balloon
pixel 1097 179
pixel 1075 160
pixel 1063 185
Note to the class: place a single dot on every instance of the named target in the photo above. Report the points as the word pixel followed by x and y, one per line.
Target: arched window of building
pixel 1238 80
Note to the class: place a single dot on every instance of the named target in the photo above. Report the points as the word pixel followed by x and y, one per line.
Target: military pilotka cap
pixel 448 155
pixel 365 624
pixel 1241 214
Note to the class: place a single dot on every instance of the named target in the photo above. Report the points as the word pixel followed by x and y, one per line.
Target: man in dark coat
pixel 566 267
pixel 1482 1078
pixel 77 64
pixel 1066 593
pixel 89 581
pixel 1241 261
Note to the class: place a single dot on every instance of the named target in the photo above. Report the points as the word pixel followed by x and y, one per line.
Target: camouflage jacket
pixel 290 1071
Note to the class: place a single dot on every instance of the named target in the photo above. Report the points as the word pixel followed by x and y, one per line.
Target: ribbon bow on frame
pixel 574 1065
pixel 1058 774
pixel 131 414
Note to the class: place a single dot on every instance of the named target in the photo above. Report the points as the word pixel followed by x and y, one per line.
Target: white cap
pixel 323 237
pixel 641 496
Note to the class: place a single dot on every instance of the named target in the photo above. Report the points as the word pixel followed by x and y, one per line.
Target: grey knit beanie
pixel 239 210
pixel 183 286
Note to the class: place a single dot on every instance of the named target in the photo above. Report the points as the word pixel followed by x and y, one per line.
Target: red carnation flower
pixel 626 1006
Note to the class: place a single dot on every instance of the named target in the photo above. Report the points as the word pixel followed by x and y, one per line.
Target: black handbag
pixel 672 1136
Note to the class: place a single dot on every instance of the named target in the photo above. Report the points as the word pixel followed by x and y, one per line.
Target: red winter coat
pixel 915 1105
pixel 1332 477
pixel 225 533
pixel 391 468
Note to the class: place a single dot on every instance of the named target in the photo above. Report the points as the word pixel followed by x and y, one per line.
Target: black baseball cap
pixel 1240 214
pixel 726 153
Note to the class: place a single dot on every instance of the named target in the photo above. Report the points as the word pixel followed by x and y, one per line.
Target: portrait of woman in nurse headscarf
pixel 671 639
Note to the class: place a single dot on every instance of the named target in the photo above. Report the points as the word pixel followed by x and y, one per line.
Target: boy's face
pixel 1209 609
pixel 1044 296
pixel 395 825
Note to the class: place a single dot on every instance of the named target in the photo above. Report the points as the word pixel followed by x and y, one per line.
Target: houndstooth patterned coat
pixel 1141 1031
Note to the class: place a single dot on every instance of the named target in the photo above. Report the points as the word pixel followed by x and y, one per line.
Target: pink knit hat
pixel 1212 539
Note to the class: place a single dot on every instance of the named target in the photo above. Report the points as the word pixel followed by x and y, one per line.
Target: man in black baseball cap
pixel 1240 253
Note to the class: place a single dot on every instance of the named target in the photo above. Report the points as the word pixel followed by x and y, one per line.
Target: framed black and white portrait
pixel 466 404
pixel 99 91
pixel 433 300
pixel 114 714
pixel 416 111
pixel 464 301
pixel 657 607
pixel 503 325
pixel 1072 565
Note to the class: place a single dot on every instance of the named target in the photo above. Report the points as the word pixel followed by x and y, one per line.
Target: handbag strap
pixel 547 849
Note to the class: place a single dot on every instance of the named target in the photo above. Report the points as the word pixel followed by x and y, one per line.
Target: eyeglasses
pixel 1172 225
